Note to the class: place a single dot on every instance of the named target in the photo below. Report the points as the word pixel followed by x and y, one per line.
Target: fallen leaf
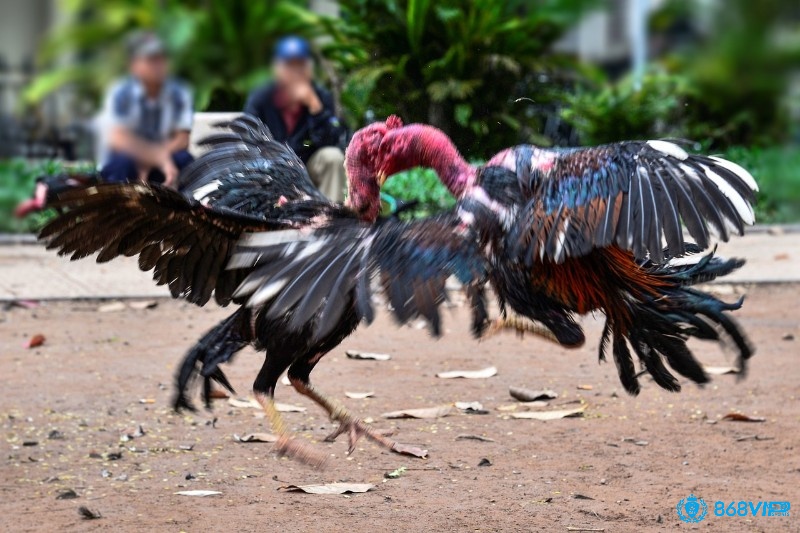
pixel 582 497
pixel 251 403
pixel 425 412
pixel 112 307
pixel 595 529
pixel 130 434
pixel 329 488
pixel 585 387
pixel 474 437
pixel 721 370
pixel 200 493
pixel 469 374
pixel 355 354
pixel 471 407
pixel 146 401
pixel 34 342
pixel 739 417
pixel 485 462
pixel 88 514
pixel 68 494
pixel 530 395
pixel 753 437
pixel 218 394
pixel 359 395
pixel 525 405
pixel 146 304
pixel 394 474
pixel 788 337
pixel 256 437
pixel 635 441
pixel 550 415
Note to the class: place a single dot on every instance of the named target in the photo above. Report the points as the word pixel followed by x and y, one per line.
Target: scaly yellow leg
pixel 287 443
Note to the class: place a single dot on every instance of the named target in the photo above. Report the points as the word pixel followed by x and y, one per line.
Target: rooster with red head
pixel 557 233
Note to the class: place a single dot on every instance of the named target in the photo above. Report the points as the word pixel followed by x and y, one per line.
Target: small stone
pixel 485 462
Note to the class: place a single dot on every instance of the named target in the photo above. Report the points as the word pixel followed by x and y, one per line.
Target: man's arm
pixel 325 127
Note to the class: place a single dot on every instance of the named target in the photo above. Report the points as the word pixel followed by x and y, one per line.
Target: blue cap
pixel 291 47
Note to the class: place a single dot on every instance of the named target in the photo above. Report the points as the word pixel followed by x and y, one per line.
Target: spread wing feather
pixel 184 242
pixel 634 194
pixel 335 268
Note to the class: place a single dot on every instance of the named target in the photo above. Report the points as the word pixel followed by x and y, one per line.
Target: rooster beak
pixel 382 176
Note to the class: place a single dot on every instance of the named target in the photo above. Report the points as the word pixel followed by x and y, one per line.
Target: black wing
pixel 320 275
pixel 636 195
pixel 248 171
pixel 186 244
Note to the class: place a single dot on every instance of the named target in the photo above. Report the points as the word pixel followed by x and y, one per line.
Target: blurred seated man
pixel 149 116
pixel 301 113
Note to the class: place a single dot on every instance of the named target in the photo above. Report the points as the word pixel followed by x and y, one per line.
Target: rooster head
pixel 364 162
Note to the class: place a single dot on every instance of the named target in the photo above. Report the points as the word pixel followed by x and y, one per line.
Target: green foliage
pixel 422 185
pixel 221 47
pixel 460 65
pixel 610 112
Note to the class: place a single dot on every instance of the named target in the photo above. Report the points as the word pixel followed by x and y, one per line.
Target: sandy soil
pixel 622 467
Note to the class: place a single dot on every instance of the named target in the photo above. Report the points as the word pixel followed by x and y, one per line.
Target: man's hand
pixel 305 94
pixel 170 173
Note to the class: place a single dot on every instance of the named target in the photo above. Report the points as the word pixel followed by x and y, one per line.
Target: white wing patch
pixel 738 170
pixel 739 203
pixel 670 149
pixel 205 190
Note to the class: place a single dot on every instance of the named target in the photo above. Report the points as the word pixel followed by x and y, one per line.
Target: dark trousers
pixel 122 168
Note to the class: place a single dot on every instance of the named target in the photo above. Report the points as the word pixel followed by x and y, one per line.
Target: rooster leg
pixel 287 444
pixel 521 325
pixel 348 423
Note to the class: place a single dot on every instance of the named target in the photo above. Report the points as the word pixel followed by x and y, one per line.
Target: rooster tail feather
pixel 217 346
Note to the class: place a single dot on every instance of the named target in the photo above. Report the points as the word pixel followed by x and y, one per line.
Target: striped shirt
pixel 155 119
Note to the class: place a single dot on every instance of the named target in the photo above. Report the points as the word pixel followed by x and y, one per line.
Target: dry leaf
pixel 739 417
pixel 721 370
pixel 35 341
pixel 584 387
pixel 218 394
pixel 251 403
pixel 469 374
pixel 550 415
pixel 88 514
pixel 474 437
pixel 355 354
pixel 394 474
pixel 146 400
pixel 200 493
pixel 471 407
pixel 112 307
pixel 426 412
pixel 330 488
pixel 530 395
pixel 256 437
pixel 146 304
pixel 359 395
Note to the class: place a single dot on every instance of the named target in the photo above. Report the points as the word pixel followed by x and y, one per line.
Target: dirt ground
pixel 622 467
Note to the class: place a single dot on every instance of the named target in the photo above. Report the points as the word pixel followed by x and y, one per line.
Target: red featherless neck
pixel 419 145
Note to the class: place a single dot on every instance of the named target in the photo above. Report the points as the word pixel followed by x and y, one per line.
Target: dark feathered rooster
pixel 557 232
pixel 246 183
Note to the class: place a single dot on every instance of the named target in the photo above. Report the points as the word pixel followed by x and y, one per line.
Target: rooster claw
pixel 356 428
pixel 289 446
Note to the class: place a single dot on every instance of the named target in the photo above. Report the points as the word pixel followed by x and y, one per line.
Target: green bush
pixel 422 185
pixel 470 67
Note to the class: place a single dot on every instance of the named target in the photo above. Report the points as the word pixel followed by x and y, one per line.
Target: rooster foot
pixel 356 428
pixel 521 326
pixel 289 446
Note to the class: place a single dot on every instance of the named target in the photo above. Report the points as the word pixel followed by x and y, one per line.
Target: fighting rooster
pixel 558 232
pixel 246 183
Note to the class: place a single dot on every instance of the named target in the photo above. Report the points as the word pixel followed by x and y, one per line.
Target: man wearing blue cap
pixel 301 113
